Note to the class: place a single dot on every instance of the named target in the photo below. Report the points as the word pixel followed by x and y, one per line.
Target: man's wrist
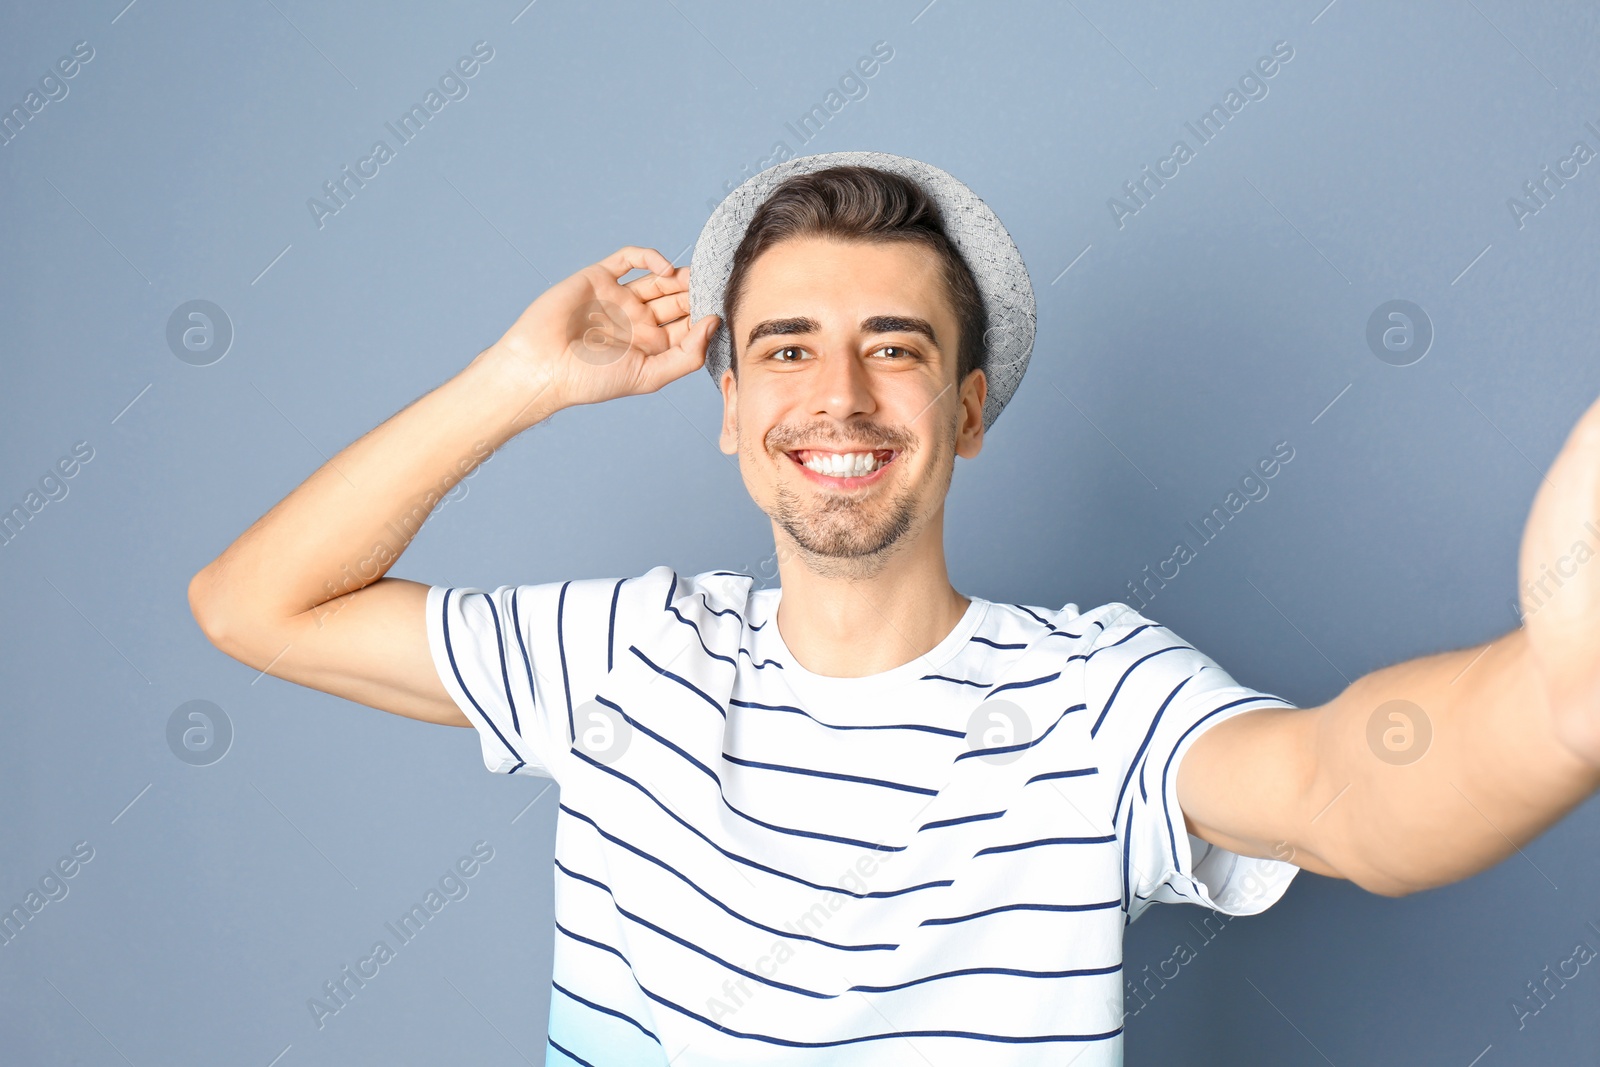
pixel 522 395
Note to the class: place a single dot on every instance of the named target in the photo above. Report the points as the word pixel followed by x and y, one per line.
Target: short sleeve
pixel 520 659
pixel 1152 695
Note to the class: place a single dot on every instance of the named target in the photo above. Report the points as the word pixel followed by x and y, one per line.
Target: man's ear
pixel 969 430
pixel 729 440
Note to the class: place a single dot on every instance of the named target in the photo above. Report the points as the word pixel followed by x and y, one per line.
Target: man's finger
pixel 651 286
pixel 687 353
pixel 629 257
pixel 675 331
pixel 669 308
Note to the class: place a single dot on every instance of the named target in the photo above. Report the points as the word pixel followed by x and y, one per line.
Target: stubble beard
pixel 854 536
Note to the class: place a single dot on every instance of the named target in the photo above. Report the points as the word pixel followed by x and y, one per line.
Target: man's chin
pixel 842 543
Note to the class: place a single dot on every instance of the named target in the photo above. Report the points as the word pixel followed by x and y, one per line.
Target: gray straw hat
pixel 971 225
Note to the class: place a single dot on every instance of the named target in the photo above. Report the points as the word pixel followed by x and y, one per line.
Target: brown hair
pixel 862 204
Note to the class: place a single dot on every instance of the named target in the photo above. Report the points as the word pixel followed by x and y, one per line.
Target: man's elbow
pixel 1390 888
pixel 207 605
pixel 1320 857
pixel 236 624
pixel 1383 883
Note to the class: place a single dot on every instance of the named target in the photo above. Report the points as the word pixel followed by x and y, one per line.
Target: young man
pixel 862 817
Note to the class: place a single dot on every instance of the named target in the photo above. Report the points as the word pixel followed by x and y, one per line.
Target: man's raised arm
pixel 302 595
pixel 1430 770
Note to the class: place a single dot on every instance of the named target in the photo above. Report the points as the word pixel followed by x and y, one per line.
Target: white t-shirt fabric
pixel 756 864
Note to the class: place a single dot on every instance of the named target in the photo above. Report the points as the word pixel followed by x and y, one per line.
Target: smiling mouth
pixel 843 469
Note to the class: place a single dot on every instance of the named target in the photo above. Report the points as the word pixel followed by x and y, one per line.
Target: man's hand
pixel 590 338
pixel 1560 587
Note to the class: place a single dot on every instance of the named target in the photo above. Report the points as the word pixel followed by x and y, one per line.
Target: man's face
pixel 835 360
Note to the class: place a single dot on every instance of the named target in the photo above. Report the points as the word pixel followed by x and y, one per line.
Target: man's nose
pixel 841 383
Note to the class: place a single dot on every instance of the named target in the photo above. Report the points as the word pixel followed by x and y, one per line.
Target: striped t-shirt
pixel 759 864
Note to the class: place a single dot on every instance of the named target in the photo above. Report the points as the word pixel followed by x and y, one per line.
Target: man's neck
pixel 852 627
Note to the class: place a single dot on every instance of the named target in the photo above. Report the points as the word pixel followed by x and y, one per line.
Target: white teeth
pixel 852 465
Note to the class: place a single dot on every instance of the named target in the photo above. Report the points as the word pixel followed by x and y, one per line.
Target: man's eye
pixel 896 352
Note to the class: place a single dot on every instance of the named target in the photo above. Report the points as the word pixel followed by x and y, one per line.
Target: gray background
pixel 1229 314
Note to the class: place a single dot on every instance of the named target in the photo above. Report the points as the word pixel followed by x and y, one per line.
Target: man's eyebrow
pixel 871 324
pixel 772 327
pixel 900 324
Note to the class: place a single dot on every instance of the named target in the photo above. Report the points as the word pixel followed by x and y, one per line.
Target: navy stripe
pixel 586 1002
pixel 675 817
pixel 836 775
pixel 763 663
pixel 1092 650
pixel 527 660
pixel 1036 618
pixel 449 648
pixel 1074 773
pixel 999 688
pixel 500 649
pixel 1030 683
pixel 892 1035
pixel 568 1053
pixel 735 701
pixel 1055 631
pixel 958 681
pixel 959 820
pixel 561 648
pixel 669 935
pixel 721 792
pixel 701 638
pixel 588 940
pixel 1118 687
pixel 688 882
pixel 992 644
pixel 1019 907
pixel 722 611
pixel 1127 858
pixel 679 679
pixel 1136 764
pixel 611 626
pixel 1021 746
pixel 993 849
pixel 1075 973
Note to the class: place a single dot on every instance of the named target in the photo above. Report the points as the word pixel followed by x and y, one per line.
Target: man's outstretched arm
pixel 1431 770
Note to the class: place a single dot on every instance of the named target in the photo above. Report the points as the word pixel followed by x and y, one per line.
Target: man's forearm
pixel 345 525
pixel 1413 795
